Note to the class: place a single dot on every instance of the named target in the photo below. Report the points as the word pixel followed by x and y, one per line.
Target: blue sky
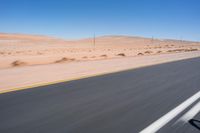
pixel 81 18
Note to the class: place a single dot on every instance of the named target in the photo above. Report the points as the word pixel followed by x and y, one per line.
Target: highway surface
pixel 124 102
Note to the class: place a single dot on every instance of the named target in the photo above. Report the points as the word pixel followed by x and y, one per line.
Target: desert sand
pixel 32 59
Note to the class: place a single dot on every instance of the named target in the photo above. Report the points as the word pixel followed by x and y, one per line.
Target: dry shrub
pixel 159 52
pixel 192 49
pixel 121 54
pixel 84 57
pixel 72 59
pixel 2 53
pixel 140 54
pixel 148 52
pixel 64 59
pixel 39 53
pixel 18 63
pixel 170 51
pixel 104 55
pixel 176 50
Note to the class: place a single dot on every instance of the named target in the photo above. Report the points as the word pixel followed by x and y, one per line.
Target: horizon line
pixel 97 36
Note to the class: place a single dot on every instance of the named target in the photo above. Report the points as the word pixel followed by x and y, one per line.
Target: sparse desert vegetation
pixel 121 54
pixel 148 52
pixel 104 55
pixel 183 50
pixel 18 63
pixel 140 54
pixel 39 50
pixel 65 59
pixel 84 57
pixel 192 49
pixel 159 52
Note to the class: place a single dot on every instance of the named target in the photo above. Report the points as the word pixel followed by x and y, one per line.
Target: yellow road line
pixel 81 77
pixel 59 81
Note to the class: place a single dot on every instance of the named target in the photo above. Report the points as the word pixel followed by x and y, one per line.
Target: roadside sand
pixel 35 75
pixel 31 60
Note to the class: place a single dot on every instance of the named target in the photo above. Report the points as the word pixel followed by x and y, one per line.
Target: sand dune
pixel 40 50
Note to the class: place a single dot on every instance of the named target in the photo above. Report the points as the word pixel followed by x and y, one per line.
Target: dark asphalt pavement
pixel 123 102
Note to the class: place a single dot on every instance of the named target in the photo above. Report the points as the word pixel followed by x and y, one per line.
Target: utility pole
pixel 152 39
pixel 94 40
pixel 181 39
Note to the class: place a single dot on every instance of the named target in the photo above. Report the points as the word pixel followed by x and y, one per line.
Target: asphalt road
pixel 124 102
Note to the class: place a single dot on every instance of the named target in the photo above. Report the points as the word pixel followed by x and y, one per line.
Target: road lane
pixel 127 101
pixel 164 120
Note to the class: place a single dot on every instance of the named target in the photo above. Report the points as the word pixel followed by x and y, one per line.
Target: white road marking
pixel 190 114
pixel 158 124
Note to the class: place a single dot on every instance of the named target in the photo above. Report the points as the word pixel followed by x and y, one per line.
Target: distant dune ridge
pixel 4 36
pixel 24 50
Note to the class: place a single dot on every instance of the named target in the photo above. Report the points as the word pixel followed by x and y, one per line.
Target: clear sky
pixel 81 18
